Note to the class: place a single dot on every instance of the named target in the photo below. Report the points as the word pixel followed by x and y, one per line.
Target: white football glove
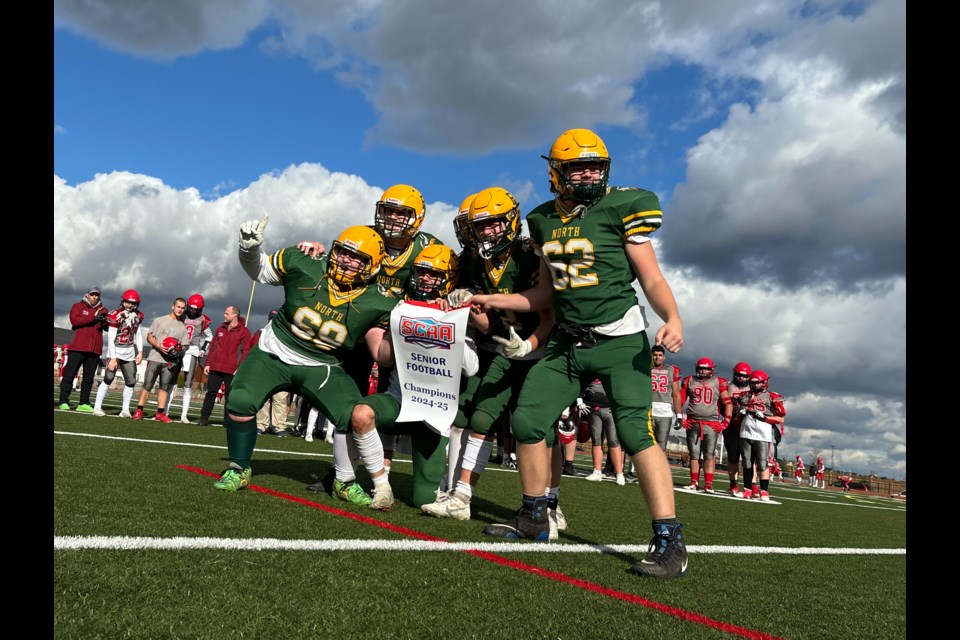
pixel 251 233
pixel 582 407
pixel 459 297
pixel 513 347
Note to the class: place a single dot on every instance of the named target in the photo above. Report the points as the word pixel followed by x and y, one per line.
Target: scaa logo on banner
pixel 428 332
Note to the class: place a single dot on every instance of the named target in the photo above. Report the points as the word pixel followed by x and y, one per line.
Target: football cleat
pixel 557 514
pixel 453 505
pixel 594 476
pixel 185 420
pixel 667 555
pixel 125 414
pixel 64 407
pixel 234 479
pixel 138 414
pixel 708 488
pixel 99 412
pixel 84 408
pixel 764 496
pixel 522 526
pixel 351 492
pixel 162 417
pixel 382 497
pixel 746 494
pixel 692 487
pixel 622 481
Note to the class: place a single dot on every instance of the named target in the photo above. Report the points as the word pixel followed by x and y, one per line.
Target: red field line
pixel 682 614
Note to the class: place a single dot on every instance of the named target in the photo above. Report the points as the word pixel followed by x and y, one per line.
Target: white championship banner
pixel 428 348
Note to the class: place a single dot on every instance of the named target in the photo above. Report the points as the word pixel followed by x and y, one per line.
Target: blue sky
pixel 774 134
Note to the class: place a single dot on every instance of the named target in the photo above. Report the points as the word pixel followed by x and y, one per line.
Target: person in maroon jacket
pixel 230 344
pixel 88 319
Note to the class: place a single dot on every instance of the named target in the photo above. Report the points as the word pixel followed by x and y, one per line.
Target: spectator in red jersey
pixel 87 319
pixel 230 344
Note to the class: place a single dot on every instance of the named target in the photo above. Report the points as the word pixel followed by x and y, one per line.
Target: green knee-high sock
pixel 241 440
pixel 429 458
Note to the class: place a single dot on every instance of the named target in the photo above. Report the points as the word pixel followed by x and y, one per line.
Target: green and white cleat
pixel 233 479
pixel 351 492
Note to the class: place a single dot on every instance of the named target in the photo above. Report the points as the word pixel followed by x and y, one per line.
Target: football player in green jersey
pixel 435 275
pixel 594 242
pixel 507 263
pixel 330 305
pixel 398 216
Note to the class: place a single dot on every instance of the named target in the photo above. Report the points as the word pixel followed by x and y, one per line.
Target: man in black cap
pixel 87 319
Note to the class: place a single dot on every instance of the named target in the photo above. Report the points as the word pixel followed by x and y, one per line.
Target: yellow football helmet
pixel 400 212
pixel 435 273
pixel 461 224
pixel 493 204
pixel 573 146
pixel 356 256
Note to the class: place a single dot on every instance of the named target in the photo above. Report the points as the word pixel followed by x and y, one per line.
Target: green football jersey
pixel 317 319
pixel 519 273
pixel 592 277
pixel 396 270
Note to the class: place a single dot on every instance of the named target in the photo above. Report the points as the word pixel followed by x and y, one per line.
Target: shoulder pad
pixel 113 318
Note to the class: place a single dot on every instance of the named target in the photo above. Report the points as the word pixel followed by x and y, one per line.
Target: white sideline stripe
pixel 191 444
pixel 124 543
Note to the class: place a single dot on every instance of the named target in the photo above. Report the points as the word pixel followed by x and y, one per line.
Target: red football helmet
pixel 759 380
pixel 131 295
pixel 705 367
pixel 174 349
pixel 194 306
pixel 566 430
pixel 741 371
pixel 583 431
